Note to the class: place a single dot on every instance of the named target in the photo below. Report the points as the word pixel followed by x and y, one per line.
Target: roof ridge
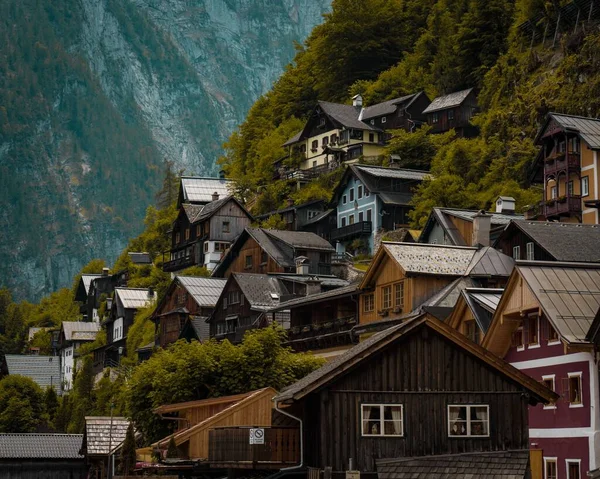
pixel 559 264
pixel 428 245
pixel 573 116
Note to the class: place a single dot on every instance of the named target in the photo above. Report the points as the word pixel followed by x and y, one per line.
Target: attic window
pixel 248 261
pixel 470 331
pixel 552 335
pixel 372 122
pixel 226 227
pixel 322 121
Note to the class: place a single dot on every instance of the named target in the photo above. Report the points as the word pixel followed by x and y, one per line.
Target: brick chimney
pixel 215 196
pixel 482 224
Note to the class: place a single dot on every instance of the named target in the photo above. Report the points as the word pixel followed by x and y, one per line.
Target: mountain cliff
pixel 95 97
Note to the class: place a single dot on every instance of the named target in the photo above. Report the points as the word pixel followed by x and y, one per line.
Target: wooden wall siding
pixel 196 415
pixel 521 239
pixel 465 228
pixel 424 287
pixel 520 298
pixel 251 247
pixel 238 221
pixel 32 469
pixel 425 372
pixel 242 309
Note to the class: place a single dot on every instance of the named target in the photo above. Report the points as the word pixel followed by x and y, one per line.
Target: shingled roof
pixel 387 107
pixel 475 465
pixel 40 446
pixel 346 115
pixel 98 438
pixel 262 291
pixel 587 128
pixel 43 370
pixel 563 241
pixel 448 101
pixel 440 260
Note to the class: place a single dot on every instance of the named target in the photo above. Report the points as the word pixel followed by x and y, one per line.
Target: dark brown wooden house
pixel 260 250
pixel 453 111
pixel 296 216
pixel 413 390
pixel 188 298
pixel 404 113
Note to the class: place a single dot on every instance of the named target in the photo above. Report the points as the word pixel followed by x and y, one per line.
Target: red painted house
pixel 541 327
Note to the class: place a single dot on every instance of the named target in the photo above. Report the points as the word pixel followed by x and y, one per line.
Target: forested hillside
pixel 95 95
pixel 386 49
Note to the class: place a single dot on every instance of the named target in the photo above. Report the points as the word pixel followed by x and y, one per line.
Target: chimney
pixel 151 292
pixel 105 271
pixel 482 223
pixel 357 101
pixel 290 202
pixel 302 265
pixel 313 286
pixel 215 196
pixel 221 174
pixel 506 205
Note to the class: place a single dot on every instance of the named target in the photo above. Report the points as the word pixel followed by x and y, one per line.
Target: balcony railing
pixel 562 162
pixel 178 264
pixel 563 206
pixel 230 447
pixel 357 229
pixel 329 333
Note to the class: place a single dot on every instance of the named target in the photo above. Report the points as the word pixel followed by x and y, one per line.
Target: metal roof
pixel 346 115
pixel 318 297
pixel 87 280
pixel 431 259
pixel 98 436
pixel 386 107
pixel 488 261
pixel 301 239
pixel 448 101
pixel 326 281
pixel 200 190
pixel 497 218
pixel 587 128
pixel 135 298
pixel 40 446
pixel 205 291
pixel 568 293
pixel 483 303
pixel 261 290
pixel 394 173
pixel 71 327
pixel 140 258
pixel 293 139
pixel 319 217
pixel 43 370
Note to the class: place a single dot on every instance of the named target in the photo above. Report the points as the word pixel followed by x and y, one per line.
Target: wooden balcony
pixel 178 264
pixel 562 162
pixel 321 335
pixel 230 447
pixel 362 228
pixel 568 206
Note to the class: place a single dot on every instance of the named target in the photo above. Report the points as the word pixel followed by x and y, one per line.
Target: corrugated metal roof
pixel 588 128
pixel 488 261
pixel 483 303
pixel 98 436
pixel 140 258
pixel 71 327
pixel 569 294
pixel 448 101
pixel 135 298
pixel 431 259
pixel 40 446
pixel 43 370
pixel 394 173
pixel 200 190
pixel 347 115
pixel 386 107
pixel 87 280
pixel 205 291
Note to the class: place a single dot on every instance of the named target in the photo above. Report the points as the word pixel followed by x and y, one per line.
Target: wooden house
pixel 550 241
pixel 296 216
pixel 73 334
pixel 453 111
pixel 41 456
pixel 567 167
pixel 82 292
pixel 125 305
pixel 403 276
pixel 403 113
pixel 201 233
pixel 542 326
pixel 188 298
pixel 102 440
pixel 322 224
pixel 415 389
pixel 372 199
pixel 473 312
pixel 260 250
pixel 101 289
pixel 455 226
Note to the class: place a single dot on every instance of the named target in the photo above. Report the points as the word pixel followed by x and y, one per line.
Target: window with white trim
pixel 382 419
pixel 550 468
pixel 530 251
pixel 351 194
pixel 469 421
pixel 573 468
pixel 344 200
pixel 368 303
pixel 585 186
pixel 534 331
pixel 550 382
pixel 553 192
pixel 386 297
pixel 516 252
pixel 383 119
pixel 575 391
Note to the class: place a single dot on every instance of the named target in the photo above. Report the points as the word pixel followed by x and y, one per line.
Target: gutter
pixel 301 465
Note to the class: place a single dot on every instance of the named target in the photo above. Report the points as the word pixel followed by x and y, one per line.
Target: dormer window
pixel 322 121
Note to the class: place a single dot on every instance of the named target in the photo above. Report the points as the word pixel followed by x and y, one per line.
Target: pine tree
pixel 128 458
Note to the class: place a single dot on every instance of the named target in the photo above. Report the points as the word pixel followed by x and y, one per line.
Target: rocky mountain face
pixel 95 95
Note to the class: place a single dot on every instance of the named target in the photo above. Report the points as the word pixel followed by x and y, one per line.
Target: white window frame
pixel 551 377
pixel 381 420
pixel 344 199
pixel 516 252
pixel 585 191
pixel 468 406
pixel 553 192
pixel 547 460
pixel 572 461
pixel 530 251
pixel 539 333
pixel 577 374
pixel 383 119
pixel 522 347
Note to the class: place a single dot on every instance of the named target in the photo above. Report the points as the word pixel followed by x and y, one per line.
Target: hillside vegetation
pixel 386 49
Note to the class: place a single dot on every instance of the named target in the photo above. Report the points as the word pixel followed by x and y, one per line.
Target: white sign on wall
pixel 257 436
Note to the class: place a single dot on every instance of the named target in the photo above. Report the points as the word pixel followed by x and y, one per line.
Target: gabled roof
pixel 442 303
pixel 587 128
pixel 388 107
pixel 71 327
pixel 301 239
pixel 182 406
pixel 40 446
pixel 210 209
pixel 442 216
pixel 337 293
pixel 191 211
pixel 473 465
pixel 293 139
pixel 363 351
pixel 448 101
pixel 319 217
pixel 205 291
pixel 559 239
pixel 489 262
pixel 87 279
pixel 345 115
pixel 103 435
pixel 196 189
pixel 140 258
pixel 43 370
pixel 198 326
pixel 394 173
pixel 290 208
pixel 262 291
pixel 482 302
pixel 135 298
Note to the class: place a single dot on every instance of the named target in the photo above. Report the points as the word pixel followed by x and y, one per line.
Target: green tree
pixel 42 340
pixel 128 458
pixel 21 405
pixel 51 403
pixel 416 149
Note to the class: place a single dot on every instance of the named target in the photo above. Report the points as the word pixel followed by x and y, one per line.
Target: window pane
pixel 550 469
pixel 574 470
pixel 457 418
pixel 393 420
pixel 371 419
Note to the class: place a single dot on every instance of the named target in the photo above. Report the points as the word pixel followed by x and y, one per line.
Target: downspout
pixel 301 465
